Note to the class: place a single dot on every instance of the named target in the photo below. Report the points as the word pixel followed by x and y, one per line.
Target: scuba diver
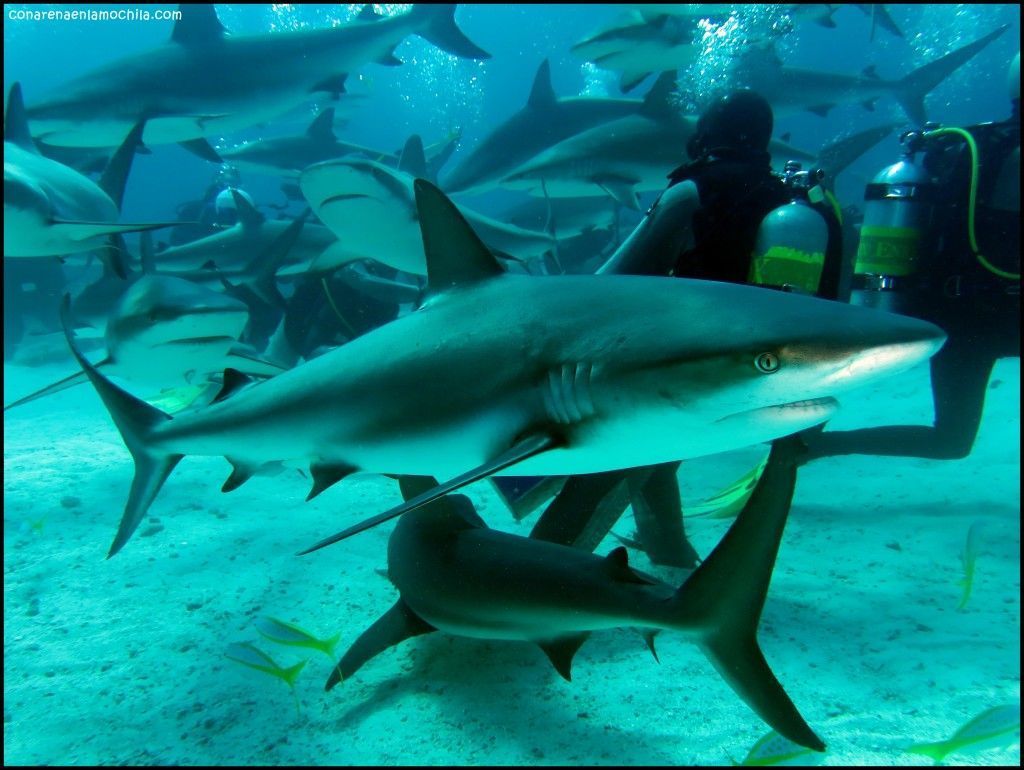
pixel 941 241
pixel 214 211
pixel 724 216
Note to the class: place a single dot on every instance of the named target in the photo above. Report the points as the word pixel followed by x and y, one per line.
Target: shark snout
pixel 900 343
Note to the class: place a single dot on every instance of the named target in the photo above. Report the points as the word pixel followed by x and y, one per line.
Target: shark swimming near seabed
pixel 166 332
pixel 542 381
pixel 544 121
pixel 204 82
pixel 456 575
pixel 623 157
pixel 793 89
pixel 372 210
pixel 51 209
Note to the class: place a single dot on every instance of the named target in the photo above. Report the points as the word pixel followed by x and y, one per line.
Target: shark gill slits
pixel 767 363
pixel 566 393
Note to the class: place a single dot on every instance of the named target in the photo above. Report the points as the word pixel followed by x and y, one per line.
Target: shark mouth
pixel 796 411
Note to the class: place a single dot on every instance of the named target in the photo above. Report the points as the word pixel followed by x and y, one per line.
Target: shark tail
pixel 439 28
pixel 912 89
pixel 726 594
pixel 136 420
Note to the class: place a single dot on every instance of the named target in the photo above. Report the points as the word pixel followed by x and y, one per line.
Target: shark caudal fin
pixel 136 420
pixel 726 594
pixel 439 27
pixel 915 86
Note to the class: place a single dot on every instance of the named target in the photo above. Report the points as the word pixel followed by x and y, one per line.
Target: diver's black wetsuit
pixel 978 310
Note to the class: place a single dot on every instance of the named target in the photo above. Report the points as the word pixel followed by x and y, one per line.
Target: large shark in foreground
pixel 457 576
pixel 500 373
pixel 203 82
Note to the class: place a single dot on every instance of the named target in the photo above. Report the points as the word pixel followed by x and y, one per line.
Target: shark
pixel 372 209
pixel 639 47
pixel 203 82
pixel 288 155
pixel 51 209
pixel 457 576
pixel 167 332
pixel 794 89
pixel 544 121
pixel 497 373
pixel 622 157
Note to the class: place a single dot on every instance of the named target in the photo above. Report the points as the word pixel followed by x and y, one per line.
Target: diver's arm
pixel 663 234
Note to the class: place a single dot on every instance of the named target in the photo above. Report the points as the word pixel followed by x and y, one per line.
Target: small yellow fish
pixel 969 557
pixel 283 632
pixel 997 727
pixel 728 503
pixel 249 655
pixel 773 749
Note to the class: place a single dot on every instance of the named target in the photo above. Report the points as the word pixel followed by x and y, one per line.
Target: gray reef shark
pixel 792 89
pixel 638 47
pixel 372 210
pixel 498 373
pixel 543 122
pixel 457 576
pixel 166 332
pixel 622 157
pixel 51 209
pixel 203 82
pixel 288 155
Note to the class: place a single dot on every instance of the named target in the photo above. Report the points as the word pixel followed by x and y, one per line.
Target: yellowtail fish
pixel 969 556
pixel 727 503
pixel 773 749
pixel 995 728
pixel 249 655
pixel 283 632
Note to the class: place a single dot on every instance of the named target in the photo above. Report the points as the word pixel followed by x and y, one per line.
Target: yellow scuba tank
pixel 898 211
pixel 791 241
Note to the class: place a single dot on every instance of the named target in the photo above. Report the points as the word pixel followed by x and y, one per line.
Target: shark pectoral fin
pixel 334 85
pixel 631 80
pixel 326 475
pixel 241 472
pixel 648 634
pixel 68 382
pixel 561 652
pixel 202 148
pixel 621 191
pixel 390 629
pixel 82 231
pixel 821 109
pixel 234 381
pixel 526 448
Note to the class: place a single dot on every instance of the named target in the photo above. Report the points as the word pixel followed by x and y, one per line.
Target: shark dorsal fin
pixel 248 216
pixel 413 160
pixel 115 175
pixel 542 95
pixel 455 254
pixel 234 381
pixel 16 122
pixel 322 127
pixel 561 651
pixel 368 13
pixel 198 25
pixel 326 475
pixel 658 104
pixel 616 564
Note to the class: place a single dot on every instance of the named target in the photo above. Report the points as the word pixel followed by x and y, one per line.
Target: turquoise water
pixel 122 661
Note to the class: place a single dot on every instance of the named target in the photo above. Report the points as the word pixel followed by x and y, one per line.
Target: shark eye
pixel 767 363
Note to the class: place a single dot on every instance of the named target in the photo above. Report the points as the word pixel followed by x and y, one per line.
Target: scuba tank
pixel 898 210
pixel 900 224
pixel 792 239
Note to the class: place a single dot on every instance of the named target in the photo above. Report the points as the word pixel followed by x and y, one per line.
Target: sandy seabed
pixel 122 661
